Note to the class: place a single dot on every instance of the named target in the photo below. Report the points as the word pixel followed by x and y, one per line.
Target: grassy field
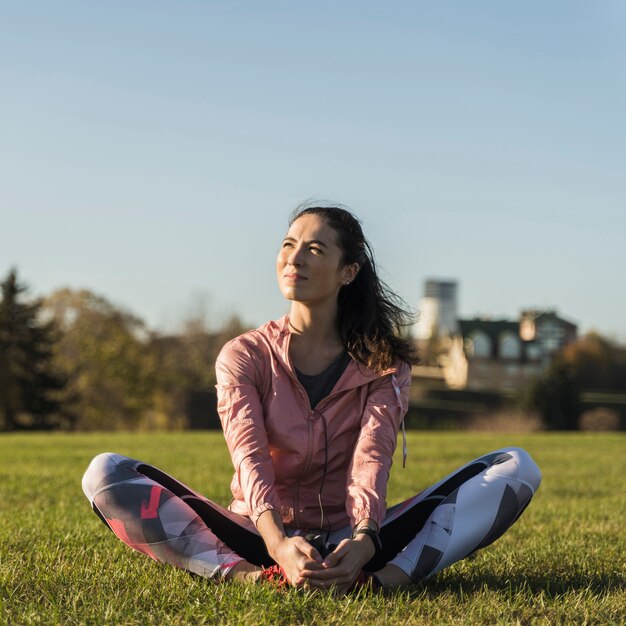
pixel 562 563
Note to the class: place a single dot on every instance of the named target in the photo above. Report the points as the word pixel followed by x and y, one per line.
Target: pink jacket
pixel 277 442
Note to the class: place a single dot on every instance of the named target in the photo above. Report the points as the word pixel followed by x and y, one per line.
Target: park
pixel 561 563
pixel 270 248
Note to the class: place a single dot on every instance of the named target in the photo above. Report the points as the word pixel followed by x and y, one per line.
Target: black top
pixel 318 386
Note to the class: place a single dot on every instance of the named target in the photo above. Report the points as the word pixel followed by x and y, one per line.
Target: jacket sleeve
pixel 387 404
pixel 241 413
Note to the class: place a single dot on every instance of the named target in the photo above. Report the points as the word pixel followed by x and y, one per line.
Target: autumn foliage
pixel 76 361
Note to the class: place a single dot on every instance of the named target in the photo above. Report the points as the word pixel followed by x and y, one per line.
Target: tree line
pixel 583 386
pixel 75 361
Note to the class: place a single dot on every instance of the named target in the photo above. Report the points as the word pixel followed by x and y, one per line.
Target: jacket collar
pixel 278 336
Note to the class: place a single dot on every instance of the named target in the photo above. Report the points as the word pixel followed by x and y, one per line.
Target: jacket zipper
pixel 309 446
pixel 307 465
pixel 309 454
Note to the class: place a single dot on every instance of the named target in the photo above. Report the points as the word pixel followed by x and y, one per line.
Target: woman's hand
pixel 296 555
pixel 340 568
pixel 293 554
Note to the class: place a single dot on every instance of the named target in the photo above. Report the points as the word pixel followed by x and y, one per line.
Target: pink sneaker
pixel 275 575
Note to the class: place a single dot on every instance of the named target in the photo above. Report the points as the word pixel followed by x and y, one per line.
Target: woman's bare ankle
pixel 244 572
pixel 392 576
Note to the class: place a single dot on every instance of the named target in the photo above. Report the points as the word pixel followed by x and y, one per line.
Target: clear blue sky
pixel 153 150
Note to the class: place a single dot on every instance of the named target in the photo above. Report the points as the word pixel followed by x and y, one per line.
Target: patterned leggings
pixel 155 514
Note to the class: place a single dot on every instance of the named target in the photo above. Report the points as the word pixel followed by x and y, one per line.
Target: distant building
pixel 484 354
pixel 438 310
pixel 547 330
pixel 505 354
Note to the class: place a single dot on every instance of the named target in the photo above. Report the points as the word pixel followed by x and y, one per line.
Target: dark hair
pixel 370 316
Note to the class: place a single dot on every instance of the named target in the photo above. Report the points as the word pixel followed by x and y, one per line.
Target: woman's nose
pixel 294 257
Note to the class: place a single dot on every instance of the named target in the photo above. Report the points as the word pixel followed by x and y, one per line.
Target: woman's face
pixel 308 266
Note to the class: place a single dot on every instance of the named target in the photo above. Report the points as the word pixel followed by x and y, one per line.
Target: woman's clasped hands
pixel 338 571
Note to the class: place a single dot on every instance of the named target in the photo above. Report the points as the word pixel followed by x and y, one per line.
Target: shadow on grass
pixel 549 584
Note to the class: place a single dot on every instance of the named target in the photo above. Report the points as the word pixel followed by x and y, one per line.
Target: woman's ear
pixel 349 272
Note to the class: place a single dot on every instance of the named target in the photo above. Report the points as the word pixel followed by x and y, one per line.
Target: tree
pixel 598 363
pixel 105 356
pixel 592 363
pixel 29 386
pixel 184 364
pixel 556 396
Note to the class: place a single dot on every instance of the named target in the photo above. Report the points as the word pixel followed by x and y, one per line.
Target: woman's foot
pixel 392 576
pixel 244 572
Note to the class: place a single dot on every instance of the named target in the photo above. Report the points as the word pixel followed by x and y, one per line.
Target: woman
pixel 311 406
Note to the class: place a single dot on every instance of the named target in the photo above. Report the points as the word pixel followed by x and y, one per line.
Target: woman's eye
pixel 287 244
pixel 316 250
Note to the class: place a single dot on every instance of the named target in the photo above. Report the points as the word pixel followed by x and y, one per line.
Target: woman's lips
pixel 295 277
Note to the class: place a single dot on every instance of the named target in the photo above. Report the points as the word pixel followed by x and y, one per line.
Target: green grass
pixel 561 563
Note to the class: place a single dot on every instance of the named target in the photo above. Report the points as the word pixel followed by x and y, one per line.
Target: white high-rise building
pixel 438 312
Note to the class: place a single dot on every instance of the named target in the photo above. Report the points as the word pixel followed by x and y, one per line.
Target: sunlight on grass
pixel 562 563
